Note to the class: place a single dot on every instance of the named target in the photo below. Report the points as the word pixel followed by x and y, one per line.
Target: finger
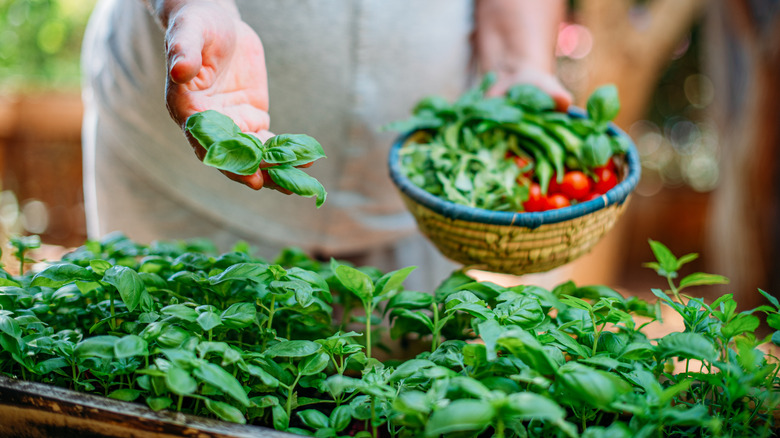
pixel 184 43
pixel 562 97
pixel 254 181
pixel 250 118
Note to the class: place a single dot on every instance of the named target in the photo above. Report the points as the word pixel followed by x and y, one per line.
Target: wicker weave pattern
pixel 514 249
pixel 516 242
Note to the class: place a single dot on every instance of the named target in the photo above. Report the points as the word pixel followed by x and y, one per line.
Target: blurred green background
pixel 40 41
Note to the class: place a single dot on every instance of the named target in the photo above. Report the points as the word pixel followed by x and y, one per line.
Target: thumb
pixel 184 44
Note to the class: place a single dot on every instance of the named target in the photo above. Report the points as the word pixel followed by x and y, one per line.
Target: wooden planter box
pixel 33 410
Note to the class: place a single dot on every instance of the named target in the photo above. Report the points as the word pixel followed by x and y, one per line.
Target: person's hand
pixel 529 74
pixel 216 61
pixel 516 40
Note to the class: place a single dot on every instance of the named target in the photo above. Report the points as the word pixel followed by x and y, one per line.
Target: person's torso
pixel 338 70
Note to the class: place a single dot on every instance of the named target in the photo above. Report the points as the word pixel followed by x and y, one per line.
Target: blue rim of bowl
pixel 617 195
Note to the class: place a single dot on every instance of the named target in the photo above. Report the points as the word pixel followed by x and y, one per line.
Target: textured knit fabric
pixel 338 70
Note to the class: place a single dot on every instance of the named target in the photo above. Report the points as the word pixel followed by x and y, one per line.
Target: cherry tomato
pixel 536 200
pixel 521 162
pixel 524 164
pixel 557 200
pixel 590 197
pixel 553 187
pixel 610 164
pixel 575 185
pixel 605 179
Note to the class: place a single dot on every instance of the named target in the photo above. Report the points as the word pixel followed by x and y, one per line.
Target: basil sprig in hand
pixel 229 149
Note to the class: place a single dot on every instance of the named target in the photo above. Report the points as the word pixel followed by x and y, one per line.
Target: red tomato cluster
pixel 575 187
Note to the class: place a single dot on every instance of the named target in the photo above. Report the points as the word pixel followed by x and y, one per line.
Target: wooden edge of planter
pixel 32 409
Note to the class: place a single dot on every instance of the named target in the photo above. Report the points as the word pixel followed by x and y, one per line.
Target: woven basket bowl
pixel 515 243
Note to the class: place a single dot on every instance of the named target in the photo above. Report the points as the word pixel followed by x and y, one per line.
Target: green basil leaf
pixel 263 375
pixel 99 266
pixel 209 127
pixel 399 314
pixel 240 271
pixel 314 419
pixel 432 104
pixel 702 279
pixel 239 315
pixel 357 282
pixel 338 384
pixel 278 155
pixel 305 148
pixel 239 155
pixel 10 326
pixel 159 403
pixel 172 336
pixel 596 150
pixel 216 376
pixel 666 259
pixel 408 368
pixel 529 406
pixel 531 98
pixel 313 364
pixel 225 411
pixel 463 415
pixel 340 418
pixel 412 402
pixel 298 182
pixel 410 300
pixel 741 323
pixel 591 386
pixel 129 346
pixel 125 394
pixel 208 320
pixel 392 280
pixel 180 311
pixel 468 387
pixel 314 279
pixel 96 346
pixel 128 283
pixel 49 365
pixel 296 348
pixel 57 275
pixel 179 381
pixel 528 349
pixel 773 320
pixel 281 420
pixel 475 355
pixel 687 345
pixel 603 104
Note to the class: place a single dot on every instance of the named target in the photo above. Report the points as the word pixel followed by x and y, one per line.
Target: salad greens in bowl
pixel 507 183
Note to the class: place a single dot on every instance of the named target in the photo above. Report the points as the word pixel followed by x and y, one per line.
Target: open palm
pixel 216 61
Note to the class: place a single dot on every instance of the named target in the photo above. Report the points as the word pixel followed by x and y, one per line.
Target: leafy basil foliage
pixel 229 149
pixel 180 327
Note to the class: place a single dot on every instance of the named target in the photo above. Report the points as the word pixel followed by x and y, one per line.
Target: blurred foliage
pixel 678 142
pixel 40 43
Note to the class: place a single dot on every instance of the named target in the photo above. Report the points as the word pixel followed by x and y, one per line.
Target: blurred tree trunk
pixel 743 54
pixel 632 47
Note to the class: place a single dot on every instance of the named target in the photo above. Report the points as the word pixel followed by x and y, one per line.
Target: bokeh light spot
pixel 574 41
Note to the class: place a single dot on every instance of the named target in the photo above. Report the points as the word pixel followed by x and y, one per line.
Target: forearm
pixel 513 34
pixel 164 10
